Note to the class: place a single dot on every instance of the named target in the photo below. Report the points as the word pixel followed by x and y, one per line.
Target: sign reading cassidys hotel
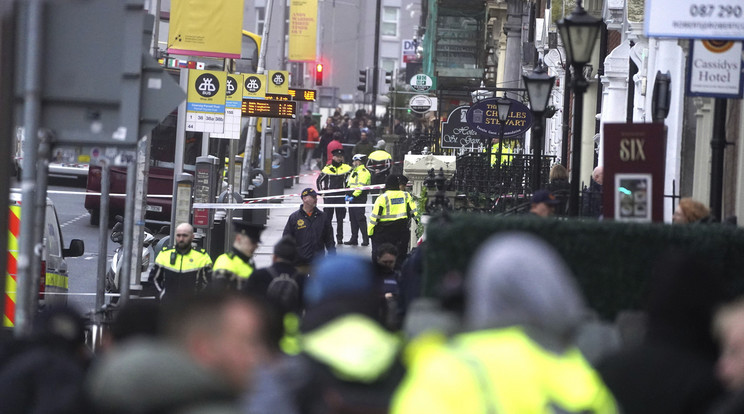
pixel 714 69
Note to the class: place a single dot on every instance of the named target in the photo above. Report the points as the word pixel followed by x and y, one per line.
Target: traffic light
pixel 389 80
pixel 362 80
pixel 319 74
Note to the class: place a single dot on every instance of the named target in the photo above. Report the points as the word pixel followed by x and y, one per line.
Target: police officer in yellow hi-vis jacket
pixel 389 221
pixel 506 152
pixel 359 177
pixel 233 268
pixel 518 354
pixel 181 269
pixel 333 177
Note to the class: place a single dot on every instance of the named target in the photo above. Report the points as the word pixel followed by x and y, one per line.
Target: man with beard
pixel 181 269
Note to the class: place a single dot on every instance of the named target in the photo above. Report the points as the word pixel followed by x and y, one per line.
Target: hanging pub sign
pixel 483 117
pixel 456 133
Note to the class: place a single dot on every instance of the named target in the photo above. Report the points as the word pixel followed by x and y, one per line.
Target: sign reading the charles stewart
pixel 484 118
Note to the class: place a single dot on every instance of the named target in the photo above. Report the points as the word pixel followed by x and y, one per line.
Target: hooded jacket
pixel 522 307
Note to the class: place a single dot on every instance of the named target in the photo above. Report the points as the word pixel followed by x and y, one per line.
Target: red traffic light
pixel 318 74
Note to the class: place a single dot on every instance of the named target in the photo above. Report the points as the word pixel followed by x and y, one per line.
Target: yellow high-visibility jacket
pixel 392 205
pixel 501 371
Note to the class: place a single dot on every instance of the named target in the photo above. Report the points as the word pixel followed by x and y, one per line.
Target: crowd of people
pixel 344 338
pixel 320 331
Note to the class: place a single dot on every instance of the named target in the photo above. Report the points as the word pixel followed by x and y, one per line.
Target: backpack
pixel 283 290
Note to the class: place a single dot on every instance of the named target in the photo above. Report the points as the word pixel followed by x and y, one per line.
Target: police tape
pixel 253 203
pixel 261 206
pixel 312 173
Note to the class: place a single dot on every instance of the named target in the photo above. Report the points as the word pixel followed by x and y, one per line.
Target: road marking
pixel 74 220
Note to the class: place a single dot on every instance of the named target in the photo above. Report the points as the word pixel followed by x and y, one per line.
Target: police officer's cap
pixel 392 182
pixel 358 157
pixel 253 231
pixel 308 192
pixel 337 152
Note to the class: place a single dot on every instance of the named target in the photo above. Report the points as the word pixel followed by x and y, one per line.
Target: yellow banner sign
pixel 254 85
pixel 278 82
pixel 303 29
pixel 210 28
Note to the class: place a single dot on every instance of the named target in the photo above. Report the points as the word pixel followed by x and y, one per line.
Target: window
pixel 390 21
pixel 259 20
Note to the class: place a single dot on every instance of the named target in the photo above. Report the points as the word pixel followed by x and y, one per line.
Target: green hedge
pixel 612 261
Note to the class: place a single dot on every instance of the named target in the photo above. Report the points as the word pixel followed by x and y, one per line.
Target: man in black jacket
pixel 311 229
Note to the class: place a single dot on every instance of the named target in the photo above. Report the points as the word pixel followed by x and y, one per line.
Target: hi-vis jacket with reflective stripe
pixel 359 177
pixel 505 154
pixel 232 269
pixel 392 205
pixel 500 371
pixel 174 272
pixel 333 177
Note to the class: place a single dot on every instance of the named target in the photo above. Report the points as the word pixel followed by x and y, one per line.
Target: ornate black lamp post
pixel 579 33
pixel 538 84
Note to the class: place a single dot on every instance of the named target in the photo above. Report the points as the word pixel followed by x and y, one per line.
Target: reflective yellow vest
pixel 232 269
pixel 355 347
pixel 359 177
pixel 501 371
pixel 505 152
pixel 182 272
pixel 392 205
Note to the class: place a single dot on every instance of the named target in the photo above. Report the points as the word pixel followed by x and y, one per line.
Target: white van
pixel 54 277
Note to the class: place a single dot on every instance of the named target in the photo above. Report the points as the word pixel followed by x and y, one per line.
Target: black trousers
pixel 340 216
pixel 358 220
pixel 396 233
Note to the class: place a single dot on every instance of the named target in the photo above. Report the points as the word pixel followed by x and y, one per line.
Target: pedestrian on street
pixel 334 145
pixel 728 328
pixel 313 138
pixel 333 177
pixel 358 178
pixel 543 204
pixel 233 268
pixel 518 353
pixel 47 369
pixel 364 146
pixel 325 137
pixel 390 219
pixel 675 361
pixel 280 283
pixel 311 229
pixel 214 341
pixel 352 363
pixel 691 211
pixel 379 163
pixel 181 269
pixel 591 199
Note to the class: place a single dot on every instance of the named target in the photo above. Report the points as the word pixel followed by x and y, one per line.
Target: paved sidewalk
pixel 277 219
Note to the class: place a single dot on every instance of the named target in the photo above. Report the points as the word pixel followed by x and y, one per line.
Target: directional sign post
pixel 420 104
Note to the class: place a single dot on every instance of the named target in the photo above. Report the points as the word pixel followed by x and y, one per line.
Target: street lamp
pixel 538 84
pixel 579 34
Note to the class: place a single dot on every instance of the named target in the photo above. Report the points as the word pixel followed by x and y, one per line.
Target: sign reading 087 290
pixel 483 117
